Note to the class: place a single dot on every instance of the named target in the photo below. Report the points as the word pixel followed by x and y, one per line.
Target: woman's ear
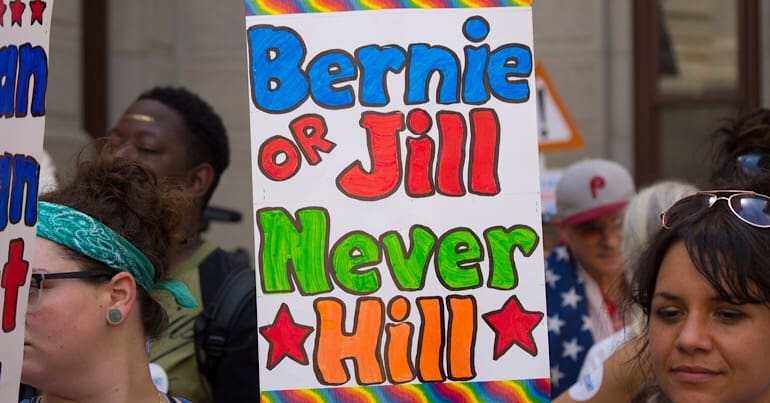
pixel 122 297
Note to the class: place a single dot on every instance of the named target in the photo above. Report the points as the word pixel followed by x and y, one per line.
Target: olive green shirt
pixel 175 349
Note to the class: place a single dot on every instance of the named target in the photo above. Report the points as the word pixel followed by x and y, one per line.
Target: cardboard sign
pixel 24 31
pixel 556 129
pixel 396 203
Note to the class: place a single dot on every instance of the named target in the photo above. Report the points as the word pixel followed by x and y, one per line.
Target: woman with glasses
pixel 99 265
pixel 705 284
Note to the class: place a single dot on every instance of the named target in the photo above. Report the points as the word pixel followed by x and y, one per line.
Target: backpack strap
pixel 226 291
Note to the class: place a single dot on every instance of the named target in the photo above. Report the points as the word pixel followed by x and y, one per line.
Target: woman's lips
pixel 694 373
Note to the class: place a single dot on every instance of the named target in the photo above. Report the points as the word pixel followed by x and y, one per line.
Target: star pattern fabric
pixel 569 329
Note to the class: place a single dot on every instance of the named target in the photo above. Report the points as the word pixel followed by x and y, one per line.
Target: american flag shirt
pixel 569 324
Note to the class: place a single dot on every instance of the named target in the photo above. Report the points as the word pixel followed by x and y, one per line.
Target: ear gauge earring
pixel 114 316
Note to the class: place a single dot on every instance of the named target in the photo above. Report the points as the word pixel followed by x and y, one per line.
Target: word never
pixel 296 252
pixel 279 84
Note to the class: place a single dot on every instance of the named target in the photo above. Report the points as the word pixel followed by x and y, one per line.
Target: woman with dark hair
pixel 704 283
pixel 100 258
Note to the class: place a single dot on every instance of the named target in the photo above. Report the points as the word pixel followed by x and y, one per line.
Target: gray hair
pixel 642 217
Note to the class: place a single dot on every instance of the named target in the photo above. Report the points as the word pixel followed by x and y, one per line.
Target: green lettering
pixel 295 249
pixel 502 243
pixel 354 251
pixel 457 258
pixel 409 267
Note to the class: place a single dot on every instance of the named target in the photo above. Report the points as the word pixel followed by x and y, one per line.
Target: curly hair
pixel 207 140
pixel 749 133
pixel 127 197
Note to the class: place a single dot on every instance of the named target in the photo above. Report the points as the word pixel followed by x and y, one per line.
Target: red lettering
pixel 269 153
pixel 14 276
pixel 451 154
pixel 309 132
pixel 485 144
pixel 385 176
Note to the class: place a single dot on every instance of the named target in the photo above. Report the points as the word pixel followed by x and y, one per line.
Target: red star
pixel 286 338
pixel 2 12
pixel 513 325
pixel 17 9
pixel 37 7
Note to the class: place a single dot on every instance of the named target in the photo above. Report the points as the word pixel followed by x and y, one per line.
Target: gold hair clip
pixel 139 116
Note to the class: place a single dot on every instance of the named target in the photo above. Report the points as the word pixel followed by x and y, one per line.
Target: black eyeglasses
pixel 751 208
pixel 36 284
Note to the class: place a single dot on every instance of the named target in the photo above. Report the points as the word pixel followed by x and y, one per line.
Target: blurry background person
pixel 100 258
pixel 641 221
pixel 182 139
pixel 584 276
pixel 742 147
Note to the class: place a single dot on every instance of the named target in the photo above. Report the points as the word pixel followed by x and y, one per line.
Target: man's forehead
pixel 139 117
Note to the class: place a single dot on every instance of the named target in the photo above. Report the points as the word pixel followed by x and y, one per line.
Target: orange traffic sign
pixel 556 129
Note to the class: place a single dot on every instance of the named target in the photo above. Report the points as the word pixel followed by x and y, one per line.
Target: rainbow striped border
pixel 530 390
pixel 268 7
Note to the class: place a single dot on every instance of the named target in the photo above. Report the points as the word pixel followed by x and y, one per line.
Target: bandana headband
pixel 82 233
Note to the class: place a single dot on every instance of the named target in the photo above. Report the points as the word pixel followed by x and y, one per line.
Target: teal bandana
pixel 81 233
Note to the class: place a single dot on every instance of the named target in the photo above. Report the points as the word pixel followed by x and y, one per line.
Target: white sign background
pixel 20 135
pixel 518 202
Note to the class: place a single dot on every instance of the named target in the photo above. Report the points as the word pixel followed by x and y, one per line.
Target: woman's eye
pixel 730 315
pixel 146 150
pixel 668 313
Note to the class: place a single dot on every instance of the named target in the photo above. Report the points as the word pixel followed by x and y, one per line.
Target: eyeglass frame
pixel 37 285
pixel 715 193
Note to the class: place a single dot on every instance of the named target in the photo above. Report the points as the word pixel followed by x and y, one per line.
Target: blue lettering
pixel 506 63
pixel 19 176
pixel 9 56
pixel 278 83
pixel 375 63
pixel 425 60
pixel 326 70
pixel 32 62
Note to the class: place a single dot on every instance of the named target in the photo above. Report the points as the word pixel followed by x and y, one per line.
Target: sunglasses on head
pixel 751 208
pixel 754 163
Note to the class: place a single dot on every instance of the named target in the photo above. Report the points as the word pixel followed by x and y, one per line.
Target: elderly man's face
pixel 596 244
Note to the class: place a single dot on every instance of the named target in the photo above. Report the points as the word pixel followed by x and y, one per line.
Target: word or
pixel 13 277
pixel 387 168
pixel 29 62
pixel 280 83
pixel 18 183
pixel 296 252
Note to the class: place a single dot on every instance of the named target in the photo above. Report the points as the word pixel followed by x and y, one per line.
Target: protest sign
pixel 396 201
pixel 24 34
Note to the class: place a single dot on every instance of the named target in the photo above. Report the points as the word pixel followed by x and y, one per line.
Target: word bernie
pixel 281 82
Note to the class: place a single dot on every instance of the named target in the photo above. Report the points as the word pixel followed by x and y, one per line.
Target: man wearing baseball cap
pixel 584 274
